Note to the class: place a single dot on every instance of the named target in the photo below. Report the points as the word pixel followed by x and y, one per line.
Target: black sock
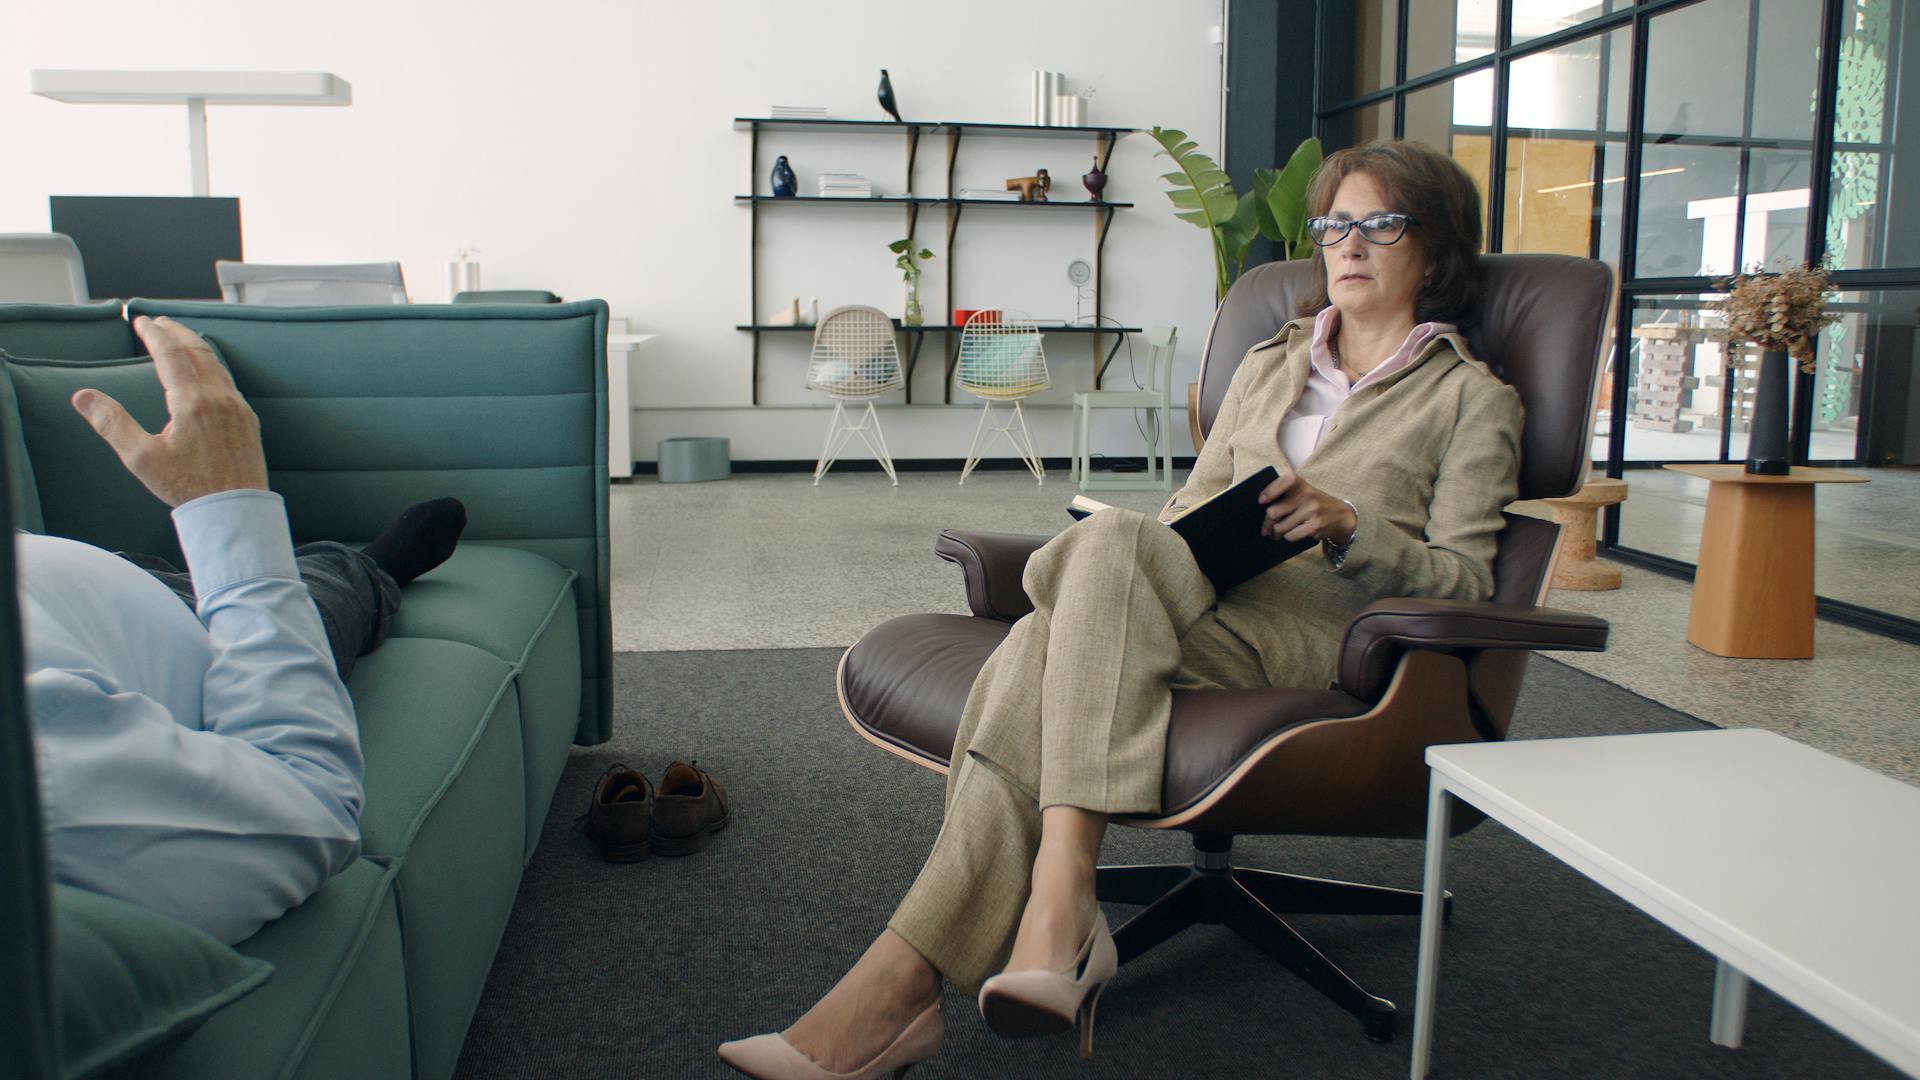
pixel 419 539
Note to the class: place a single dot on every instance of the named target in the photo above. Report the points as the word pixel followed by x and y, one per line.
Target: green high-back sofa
pixel 497 662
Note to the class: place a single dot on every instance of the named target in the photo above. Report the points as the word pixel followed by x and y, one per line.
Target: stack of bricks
pixel 1664 388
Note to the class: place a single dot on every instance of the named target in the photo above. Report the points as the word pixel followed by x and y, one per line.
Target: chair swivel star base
pixel 1251 903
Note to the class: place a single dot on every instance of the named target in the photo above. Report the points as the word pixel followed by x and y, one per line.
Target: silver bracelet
pixel 1337 553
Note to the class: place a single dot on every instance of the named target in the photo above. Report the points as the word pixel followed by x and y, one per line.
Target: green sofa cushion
pixel 337 1002
pixel 519 607
pixel 84 491
pixel 440 725
pixel 67 331
pixel 130 981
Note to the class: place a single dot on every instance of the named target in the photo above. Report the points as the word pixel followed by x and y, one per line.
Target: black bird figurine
pixel 784 182
pixel 886 96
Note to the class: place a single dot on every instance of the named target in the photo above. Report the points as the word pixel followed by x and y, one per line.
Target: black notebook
pixel 1224 532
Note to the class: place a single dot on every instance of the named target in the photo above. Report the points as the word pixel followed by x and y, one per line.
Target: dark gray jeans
pixel 355 597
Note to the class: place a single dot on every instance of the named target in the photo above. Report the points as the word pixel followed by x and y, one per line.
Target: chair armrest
pixel 992 565
pixel 1385 629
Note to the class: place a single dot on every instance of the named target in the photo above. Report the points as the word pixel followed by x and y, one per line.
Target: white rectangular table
pixel 1791 866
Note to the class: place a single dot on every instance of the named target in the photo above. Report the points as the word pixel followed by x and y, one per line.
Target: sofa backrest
pixel 366 410
pixel 52 332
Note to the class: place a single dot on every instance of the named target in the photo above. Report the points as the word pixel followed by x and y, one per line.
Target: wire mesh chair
pixel 854 358
pixel 1001 360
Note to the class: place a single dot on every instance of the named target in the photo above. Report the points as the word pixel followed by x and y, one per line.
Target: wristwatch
pixel 1337 553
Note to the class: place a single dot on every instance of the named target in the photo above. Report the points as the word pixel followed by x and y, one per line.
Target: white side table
pixel 1790 866
pixel 620 349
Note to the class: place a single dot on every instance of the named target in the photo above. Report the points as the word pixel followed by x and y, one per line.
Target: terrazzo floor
pixel 770 561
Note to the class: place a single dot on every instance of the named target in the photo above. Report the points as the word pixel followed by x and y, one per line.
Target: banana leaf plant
pixel 1203 195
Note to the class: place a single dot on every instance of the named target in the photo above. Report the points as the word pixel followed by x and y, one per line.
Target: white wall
pixel 587 148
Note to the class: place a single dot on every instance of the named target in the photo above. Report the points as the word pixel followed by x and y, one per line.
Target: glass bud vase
pixel 914 315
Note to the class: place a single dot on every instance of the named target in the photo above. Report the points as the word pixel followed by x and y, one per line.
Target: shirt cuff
pixel 234 536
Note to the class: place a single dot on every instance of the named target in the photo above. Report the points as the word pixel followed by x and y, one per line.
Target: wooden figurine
pixel 1032 188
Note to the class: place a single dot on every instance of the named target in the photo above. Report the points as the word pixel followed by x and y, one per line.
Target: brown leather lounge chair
pixel 1343 761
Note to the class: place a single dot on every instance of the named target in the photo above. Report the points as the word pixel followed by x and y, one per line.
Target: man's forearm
pixel 272 682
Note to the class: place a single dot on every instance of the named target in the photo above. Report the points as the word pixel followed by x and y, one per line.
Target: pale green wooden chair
pixel 1161 341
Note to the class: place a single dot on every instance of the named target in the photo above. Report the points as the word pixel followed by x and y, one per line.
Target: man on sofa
pixel 203 760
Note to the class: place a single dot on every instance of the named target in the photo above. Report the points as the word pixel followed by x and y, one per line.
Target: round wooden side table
pixel 1753 589
pixel 1579 514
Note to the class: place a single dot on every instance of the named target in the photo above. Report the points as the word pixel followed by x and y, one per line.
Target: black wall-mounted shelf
pixel 955 132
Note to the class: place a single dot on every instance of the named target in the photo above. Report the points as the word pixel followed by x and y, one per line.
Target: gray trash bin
pixel 693 458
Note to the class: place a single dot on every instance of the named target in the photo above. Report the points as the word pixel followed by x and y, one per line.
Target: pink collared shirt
pixel 1327 386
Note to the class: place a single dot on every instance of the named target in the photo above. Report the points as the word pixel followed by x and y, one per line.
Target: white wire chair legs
pixel 1016 433
pixel 841 429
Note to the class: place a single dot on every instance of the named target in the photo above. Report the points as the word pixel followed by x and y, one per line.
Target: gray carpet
pixel 640 971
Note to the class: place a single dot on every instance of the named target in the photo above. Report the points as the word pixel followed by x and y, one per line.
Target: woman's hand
pixel 1296 510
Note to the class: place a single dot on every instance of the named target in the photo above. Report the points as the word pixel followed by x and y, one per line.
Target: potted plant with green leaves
pixel 908 260
pixel 1203 195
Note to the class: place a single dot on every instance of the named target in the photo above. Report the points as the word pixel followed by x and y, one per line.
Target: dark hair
pixel 1445 206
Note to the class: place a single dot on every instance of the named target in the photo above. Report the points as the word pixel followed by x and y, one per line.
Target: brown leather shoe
pixel 620 817
pixel 689 809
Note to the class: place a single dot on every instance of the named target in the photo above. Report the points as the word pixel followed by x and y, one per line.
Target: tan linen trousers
pixel 1072 709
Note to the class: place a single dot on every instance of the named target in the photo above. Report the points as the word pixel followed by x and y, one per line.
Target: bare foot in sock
pixel 421 538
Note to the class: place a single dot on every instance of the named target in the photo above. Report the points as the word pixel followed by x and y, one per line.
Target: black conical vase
pixel 1767 452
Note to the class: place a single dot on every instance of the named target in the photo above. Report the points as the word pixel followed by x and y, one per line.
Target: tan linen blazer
pixel 1428 456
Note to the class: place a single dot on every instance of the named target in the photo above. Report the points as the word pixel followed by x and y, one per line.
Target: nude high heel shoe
pixel 1023 1003
pixel 772 1057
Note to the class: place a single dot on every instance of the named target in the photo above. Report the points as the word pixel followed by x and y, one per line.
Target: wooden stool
pixel 1579 514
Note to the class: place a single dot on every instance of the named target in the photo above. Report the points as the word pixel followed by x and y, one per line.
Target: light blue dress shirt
pixel 207 768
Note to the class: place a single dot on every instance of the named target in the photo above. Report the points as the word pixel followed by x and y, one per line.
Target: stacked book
pixel 845 186
pixel 1000 195
pixel 798 112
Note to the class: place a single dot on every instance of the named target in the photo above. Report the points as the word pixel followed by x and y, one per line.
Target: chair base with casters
pixel 1156 398
pixel 841 429
pixel 1252 903
pixel 1015 432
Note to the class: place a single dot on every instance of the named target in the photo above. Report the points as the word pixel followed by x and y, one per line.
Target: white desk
pixel 620 349
pixel 194 89
pixel 1790 866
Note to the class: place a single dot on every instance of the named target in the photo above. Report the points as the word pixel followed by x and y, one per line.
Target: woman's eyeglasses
pixel 1378 229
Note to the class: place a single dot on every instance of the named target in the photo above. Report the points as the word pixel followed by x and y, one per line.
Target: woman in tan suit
pixel 1396 450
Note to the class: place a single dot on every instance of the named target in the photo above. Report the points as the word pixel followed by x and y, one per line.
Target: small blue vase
pixel 784 182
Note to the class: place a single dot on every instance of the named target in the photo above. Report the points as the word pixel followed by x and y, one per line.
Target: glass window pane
pixel 1786 67
pixel 1689 210
pixel 1697 71
pixel 1455 118
pixel 1442 33
pixel 1559 158
pixel 1538 18
pixel 1676 373
pixel 1774 235
pixel 1360 125
pixel 1871 221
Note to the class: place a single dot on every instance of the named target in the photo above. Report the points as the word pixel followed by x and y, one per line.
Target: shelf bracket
pixel 953 156
pixel 1106 149
pixel 913 151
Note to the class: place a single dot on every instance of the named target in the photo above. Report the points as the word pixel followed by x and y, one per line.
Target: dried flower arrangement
pixel 1782 312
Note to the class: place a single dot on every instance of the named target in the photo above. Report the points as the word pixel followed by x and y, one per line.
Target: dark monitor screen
pixel 158 246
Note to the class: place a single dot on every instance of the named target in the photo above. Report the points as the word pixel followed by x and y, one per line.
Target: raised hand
pixel 212 439
pixel 1297 510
